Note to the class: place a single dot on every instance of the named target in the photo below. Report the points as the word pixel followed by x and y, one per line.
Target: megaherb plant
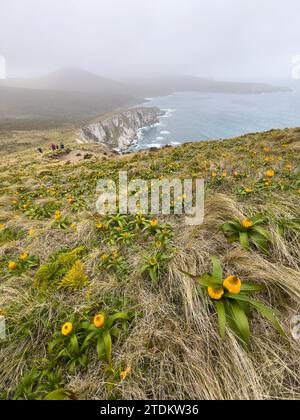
pixel 247 231
pixel 153 265
pixel 233 304
pixel 72 344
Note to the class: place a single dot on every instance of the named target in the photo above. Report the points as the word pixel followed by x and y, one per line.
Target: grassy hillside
pixel 65 271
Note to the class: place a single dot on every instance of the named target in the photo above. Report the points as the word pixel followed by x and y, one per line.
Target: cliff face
pixel 121 129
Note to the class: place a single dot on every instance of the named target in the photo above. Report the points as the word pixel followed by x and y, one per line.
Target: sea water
pixel 193 116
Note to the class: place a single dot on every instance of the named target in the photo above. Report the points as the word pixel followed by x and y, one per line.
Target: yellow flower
pixel 14 202
pixel 104 257
pixel 235 173
pixel 232 284
pixel 12 265
pixel 67 329
pixel 266 149
pixel 247 223
pixel 71 200
pixel 31 232
pixel 2 226
pixel 224 174
pixel 125 373
pixel 25 206
pixel 288 167
pixel 115 255
pixel 158 244
pixel 99 320
pixel 154 223
pixel 153 261
pixel 24 256
pixel 57 215
pixel 215 293
pixel 248 190
pixel 270 173
pixel 214 174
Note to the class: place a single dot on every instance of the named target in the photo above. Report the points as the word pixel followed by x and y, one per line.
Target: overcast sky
pixel 221 39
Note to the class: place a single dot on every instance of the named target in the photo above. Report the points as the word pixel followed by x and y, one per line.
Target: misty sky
pixel 221 39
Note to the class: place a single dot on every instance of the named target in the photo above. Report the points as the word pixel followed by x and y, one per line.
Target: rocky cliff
pixel 119 130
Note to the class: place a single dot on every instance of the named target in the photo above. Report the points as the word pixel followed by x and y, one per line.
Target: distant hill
pixel 167 85
pixel 63 95
pixel 74 94
pixel 70 80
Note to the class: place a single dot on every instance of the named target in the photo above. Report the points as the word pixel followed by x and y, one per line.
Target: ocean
pixel 197 116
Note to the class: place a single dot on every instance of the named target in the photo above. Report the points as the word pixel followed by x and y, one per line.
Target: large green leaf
pixel 241 321
pixel 217 270
pixel 230 227
pixel 249 288
pixel 204 281
pixel 261 231
pixel 233 238
pixel 74 343
pixel 264 310
pixel 100 347
pixel 57 395
pixel 257 219
pixel 117 317
pixel 260 241
pixel 244 239
pixel 221 317
pixel 108 345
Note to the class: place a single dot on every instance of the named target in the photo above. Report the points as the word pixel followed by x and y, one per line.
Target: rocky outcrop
pixel 119 130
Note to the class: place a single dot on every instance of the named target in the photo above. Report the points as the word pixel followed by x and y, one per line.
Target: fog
pixel 246 40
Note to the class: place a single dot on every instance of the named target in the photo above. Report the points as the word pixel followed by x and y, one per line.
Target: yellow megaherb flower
pixel 125 373
pixel 67 329
pixel 24 256
pixel 2 226
pixel 153 261
pixel 154 223
pixel 247 223
pixel 99 320
pixel 233 284
pixel 214 174
pixel 115 255
pixel 57 215
pixel 248 190
pixel 31 232
pixel 215 293
pixel 270 173
pixel 224 174
pixel 12 265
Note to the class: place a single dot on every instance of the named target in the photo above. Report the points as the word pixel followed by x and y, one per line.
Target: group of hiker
pixel 53 147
